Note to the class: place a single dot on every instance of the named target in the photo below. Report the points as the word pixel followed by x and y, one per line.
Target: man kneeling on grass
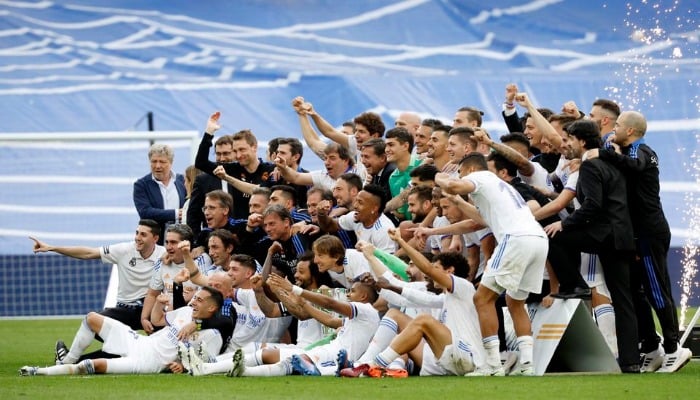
pixel 139 354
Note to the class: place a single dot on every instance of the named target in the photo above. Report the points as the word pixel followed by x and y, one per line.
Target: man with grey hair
pixel 160 194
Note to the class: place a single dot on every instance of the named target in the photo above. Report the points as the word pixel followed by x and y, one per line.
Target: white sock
pixel 387 331
pixel 386 357
pixel 525 348
pixel 218 367
pixel 399 363
pixel 282 368
pixel 605 317
pixel 83 338
pixel 67 369
pixel 254 359
pixel 493 355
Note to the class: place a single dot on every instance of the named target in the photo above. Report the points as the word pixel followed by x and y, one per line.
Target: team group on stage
pixel 399 258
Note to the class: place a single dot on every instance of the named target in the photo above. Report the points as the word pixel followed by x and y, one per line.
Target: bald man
pixel 640 165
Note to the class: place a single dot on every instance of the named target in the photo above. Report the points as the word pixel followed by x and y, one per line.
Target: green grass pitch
pixel 31 343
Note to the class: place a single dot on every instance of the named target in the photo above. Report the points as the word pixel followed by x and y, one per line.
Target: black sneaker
pixel 60 353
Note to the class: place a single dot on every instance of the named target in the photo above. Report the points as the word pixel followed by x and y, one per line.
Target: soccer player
pixel 517 265
pixel 139 354
pixel 455 341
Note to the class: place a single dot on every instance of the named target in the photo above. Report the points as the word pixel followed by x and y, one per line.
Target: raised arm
pixel 310 136
pixel 547 130
pixel 524 165
pixel 325 221
pixel 293 176
pixel 243 187
pixel 326 129
pixel 195 276
pixel 79 252
pixel 438 275
pixel 201 160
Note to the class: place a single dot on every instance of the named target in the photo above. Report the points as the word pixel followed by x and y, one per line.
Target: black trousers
pixel 651 287
pixel 565 256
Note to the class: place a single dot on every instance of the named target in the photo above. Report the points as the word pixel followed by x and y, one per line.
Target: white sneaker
pixel 508 360
pixel 487 370
pixel 28 371
pixel 675 361
pixel 183 355
pixel 238 364
pixel 526 369
pixel 652 361
pixel 196 363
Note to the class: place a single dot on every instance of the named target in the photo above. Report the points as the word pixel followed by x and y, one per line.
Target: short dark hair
pixel 342 151
pixel 465 134
pixel 378 192
pixel 378 146
pixel 272 145
pixel 424 192
pixel 424 172
pixel 431 122
pixel 321 278
pixel 501 162
pixel 474 159
pixel 350 124
pixel 473 114
pixel 152 225
pixel 517 137
pixel 225 236
pixel 245 260
pixel 401 134
pixel 608 105
pixel 545 112
pixel 352 179
pixel 216 296
pixel 455 260
pixel 586 130
pixel 372 121
pixel 289 192
pixel 223 140
pixel 183 230
pixel 294 145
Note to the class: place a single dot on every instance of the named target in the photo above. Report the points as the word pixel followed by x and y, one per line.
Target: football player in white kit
pixel 517 264
pixel 139 354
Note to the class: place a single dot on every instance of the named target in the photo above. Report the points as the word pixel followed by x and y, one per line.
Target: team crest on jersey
pixel 654 160
pixel 132 262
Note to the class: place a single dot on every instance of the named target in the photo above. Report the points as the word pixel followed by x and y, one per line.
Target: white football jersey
pixel 357 330
pixel 502 207
pixel 377 234
pixel 134 271
pixel 354 265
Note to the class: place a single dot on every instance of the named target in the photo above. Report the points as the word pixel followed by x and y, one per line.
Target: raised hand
pixel 220 172
pixel 523 99
pixel 213 123
pixel 511 91
pixel 570 108
pixel 365 247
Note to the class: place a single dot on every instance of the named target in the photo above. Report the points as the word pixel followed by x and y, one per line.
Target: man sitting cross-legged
pixel 454 341
pixel 139 354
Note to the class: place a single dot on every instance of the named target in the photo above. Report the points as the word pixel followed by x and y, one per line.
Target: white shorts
pixel 455 360
pixel 137 351
pixel 592 273
pixel 430 366
pixel 517 266
pixel 323 357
